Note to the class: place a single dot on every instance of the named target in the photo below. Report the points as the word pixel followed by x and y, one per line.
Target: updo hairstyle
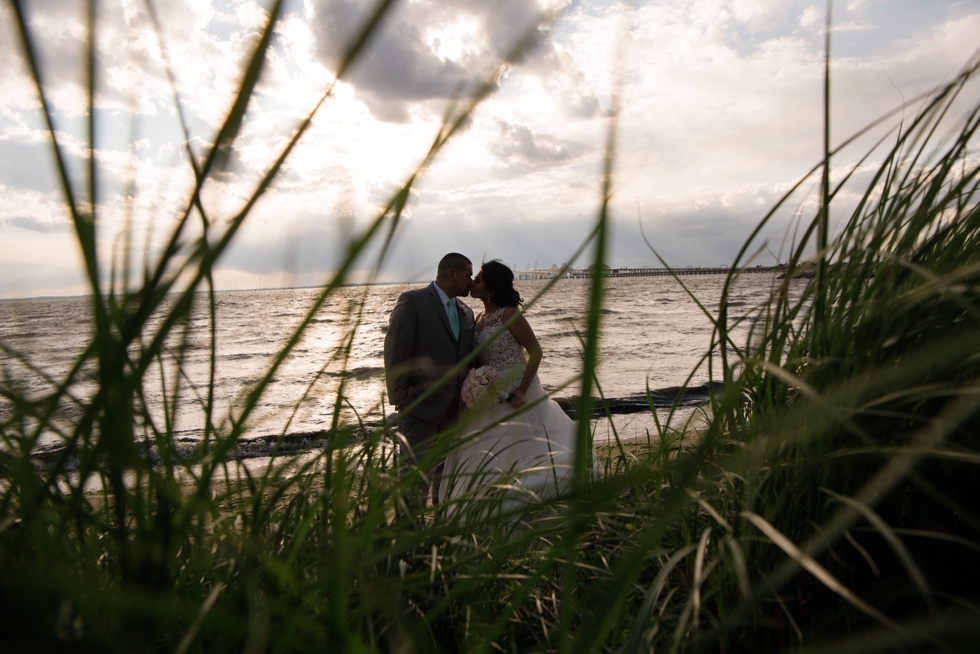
pixel 499 280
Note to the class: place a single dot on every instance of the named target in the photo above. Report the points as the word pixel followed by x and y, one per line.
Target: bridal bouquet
pixel 479 385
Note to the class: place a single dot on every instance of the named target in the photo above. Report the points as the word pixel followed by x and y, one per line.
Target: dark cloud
pixel 400 66
pixel 35 225
pixel 582 106
pixel 505 23
pixel 518 144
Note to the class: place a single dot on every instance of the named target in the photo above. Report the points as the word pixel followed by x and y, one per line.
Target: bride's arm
pixel 524 335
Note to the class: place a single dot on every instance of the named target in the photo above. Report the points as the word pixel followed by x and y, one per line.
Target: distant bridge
pixel 587 273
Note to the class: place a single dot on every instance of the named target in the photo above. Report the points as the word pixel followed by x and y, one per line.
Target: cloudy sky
pixel 721 112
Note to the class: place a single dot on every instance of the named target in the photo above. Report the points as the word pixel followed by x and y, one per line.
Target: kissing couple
pixel 516 437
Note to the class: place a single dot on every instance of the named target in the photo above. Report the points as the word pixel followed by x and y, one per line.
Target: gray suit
pixel 419 349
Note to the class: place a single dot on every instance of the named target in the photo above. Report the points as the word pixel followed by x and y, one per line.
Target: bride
pixel 523 446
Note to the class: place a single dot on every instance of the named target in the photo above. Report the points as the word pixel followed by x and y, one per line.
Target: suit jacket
pixel 420 348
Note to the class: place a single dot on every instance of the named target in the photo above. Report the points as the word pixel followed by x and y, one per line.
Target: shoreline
pixel 254 446
pixel 286 447
pixel 259 459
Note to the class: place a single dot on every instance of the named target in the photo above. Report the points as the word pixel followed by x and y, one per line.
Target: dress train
pixel 511 457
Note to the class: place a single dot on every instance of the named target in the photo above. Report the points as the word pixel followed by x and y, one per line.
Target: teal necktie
pixel 453 317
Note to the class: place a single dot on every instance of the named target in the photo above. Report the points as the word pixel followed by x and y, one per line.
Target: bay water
pixel 652 335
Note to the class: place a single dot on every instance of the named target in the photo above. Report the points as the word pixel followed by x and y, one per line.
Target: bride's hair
pixel 499 280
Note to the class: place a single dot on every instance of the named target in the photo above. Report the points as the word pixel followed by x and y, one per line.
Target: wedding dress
pixel 510 456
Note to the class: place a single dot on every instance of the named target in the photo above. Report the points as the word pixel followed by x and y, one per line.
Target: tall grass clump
pixel 828 497
pixel 849 428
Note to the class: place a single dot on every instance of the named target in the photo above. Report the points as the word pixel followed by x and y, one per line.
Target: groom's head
pixel 455 275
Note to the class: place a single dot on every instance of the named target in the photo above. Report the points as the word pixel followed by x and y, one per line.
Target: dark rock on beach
pixel 662 398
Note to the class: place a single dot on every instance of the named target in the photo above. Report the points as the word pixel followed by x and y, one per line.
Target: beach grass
pixel 827 503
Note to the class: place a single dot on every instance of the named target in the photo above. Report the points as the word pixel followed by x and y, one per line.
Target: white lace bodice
pixel 505 354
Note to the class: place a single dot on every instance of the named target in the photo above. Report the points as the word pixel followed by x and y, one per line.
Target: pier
pixel 587 273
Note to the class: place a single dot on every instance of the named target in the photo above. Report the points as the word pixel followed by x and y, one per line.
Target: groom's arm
pixel 400 349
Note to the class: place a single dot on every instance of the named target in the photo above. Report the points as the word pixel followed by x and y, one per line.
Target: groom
pixel 429 333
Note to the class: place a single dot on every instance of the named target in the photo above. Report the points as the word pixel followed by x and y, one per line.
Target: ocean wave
pixel 563 334
pixel 244 356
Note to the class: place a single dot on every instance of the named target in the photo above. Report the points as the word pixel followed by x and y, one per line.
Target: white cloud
pixel 758 14
pixel 809 17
